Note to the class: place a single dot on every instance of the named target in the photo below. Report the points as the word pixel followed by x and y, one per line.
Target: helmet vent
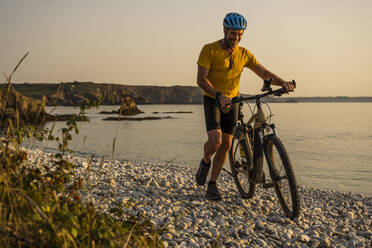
pixel 235 21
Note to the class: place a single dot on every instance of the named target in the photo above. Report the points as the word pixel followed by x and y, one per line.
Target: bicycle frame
pixel 258 121
pixel 257 139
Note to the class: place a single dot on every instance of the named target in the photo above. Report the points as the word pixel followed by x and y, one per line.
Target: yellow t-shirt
pixel 217 60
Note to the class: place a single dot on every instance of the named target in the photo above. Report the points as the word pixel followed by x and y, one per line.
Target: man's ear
pixel 225 30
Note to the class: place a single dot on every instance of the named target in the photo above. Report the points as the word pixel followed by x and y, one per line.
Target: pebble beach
pixel 168 196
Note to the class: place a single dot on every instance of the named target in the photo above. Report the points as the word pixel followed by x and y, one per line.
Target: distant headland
pixel 76 93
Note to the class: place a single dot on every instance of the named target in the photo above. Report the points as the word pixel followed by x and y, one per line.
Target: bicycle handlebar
pixel 267 87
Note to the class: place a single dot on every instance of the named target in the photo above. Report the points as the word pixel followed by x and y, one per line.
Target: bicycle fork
pixel 263 139
pixel 268 128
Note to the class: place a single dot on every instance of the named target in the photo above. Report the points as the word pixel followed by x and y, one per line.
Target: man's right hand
pixel 223 101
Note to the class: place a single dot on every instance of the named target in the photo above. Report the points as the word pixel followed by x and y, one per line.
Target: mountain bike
pixel 251 140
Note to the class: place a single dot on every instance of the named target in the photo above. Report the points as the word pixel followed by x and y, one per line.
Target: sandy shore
pixel 169 197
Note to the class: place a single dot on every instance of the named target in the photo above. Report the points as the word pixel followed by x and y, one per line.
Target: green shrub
pixel 40 205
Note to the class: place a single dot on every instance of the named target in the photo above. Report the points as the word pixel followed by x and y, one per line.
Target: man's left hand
pixel 288 86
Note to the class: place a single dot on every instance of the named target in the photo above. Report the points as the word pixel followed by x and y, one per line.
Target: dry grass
pixel 40 206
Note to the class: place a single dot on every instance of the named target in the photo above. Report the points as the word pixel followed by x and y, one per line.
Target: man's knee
pixel 226 143
pixel 215 139
pixel 215 144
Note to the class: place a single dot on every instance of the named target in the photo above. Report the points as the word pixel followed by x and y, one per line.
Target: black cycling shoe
pixel 212 192
pixel 201 175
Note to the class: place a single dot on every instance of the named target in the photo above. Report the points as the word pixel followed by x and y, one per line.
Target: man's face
pixel 233 37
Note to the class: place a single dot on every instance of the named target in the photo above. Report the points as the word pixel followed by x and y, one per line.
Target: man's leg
pixel 221 155
pixel 228 125
pixel 218 161
pixel 213 143
pixel 210 147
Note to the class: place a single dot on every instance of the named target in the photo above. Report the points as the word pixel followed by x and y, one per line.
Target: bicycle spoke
pixel 281 174
pixel 239 162
pixel 277 162
pixel 283 178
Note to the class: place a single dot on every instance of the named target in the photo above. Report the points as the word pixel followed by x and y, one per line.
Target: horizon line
pixel 154 85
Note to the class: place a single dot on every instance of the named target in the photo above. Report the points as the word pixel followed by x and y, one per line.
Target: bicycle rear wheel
pixel 282 176
pixel 240 165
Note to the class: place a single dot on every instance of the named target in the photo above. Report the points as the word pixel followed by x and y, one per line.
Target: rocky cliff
pixel 77 93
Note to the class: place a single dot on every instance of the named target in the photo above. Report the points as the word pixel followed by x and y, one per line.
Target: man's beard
pixel 230 44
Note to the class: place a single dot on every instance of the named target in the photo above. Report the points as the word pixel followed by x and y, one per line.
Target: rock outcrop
pixel 17 109
pixel 128 107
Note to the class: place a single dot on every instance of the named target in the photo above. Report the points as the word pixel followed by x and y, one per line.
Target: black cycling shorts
pixel 215 119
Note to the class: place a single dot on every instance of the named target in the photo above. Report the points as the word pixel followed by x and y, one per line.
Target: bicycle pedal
pixel 242 167
pixel 268 185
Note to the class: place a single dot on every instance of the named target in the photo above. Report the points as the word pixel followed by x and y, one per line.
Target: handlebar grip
pixel 235 100
pixel 280 92
pixel 224 110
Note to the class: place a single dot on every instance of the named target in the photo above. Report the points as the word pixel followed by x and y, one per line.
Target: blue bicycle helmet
pixel 235 21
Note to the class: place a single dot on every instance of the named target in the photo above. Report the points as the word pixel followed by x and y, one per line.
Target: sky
pixel 325 45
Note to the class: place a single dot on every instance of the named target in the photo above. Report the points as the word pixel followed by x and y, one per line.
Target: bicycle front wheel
pixel 240 165
pixel 282 176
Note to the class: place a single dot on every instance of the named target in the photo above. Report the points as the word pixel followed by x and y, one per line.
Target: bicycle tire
pixel 291 207
pixel 240 168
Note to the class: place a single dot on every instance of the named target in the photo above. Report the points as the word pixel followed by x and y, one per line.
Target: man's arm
pixel 203 81
pixel 205 84
pixel 265 74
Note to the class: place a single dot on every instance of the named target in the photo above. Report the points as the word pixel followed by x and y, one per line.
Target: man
pixel 220 65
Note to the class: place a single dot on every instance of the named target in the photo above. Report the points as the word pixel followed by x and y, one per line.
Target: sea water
pixel 329 144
